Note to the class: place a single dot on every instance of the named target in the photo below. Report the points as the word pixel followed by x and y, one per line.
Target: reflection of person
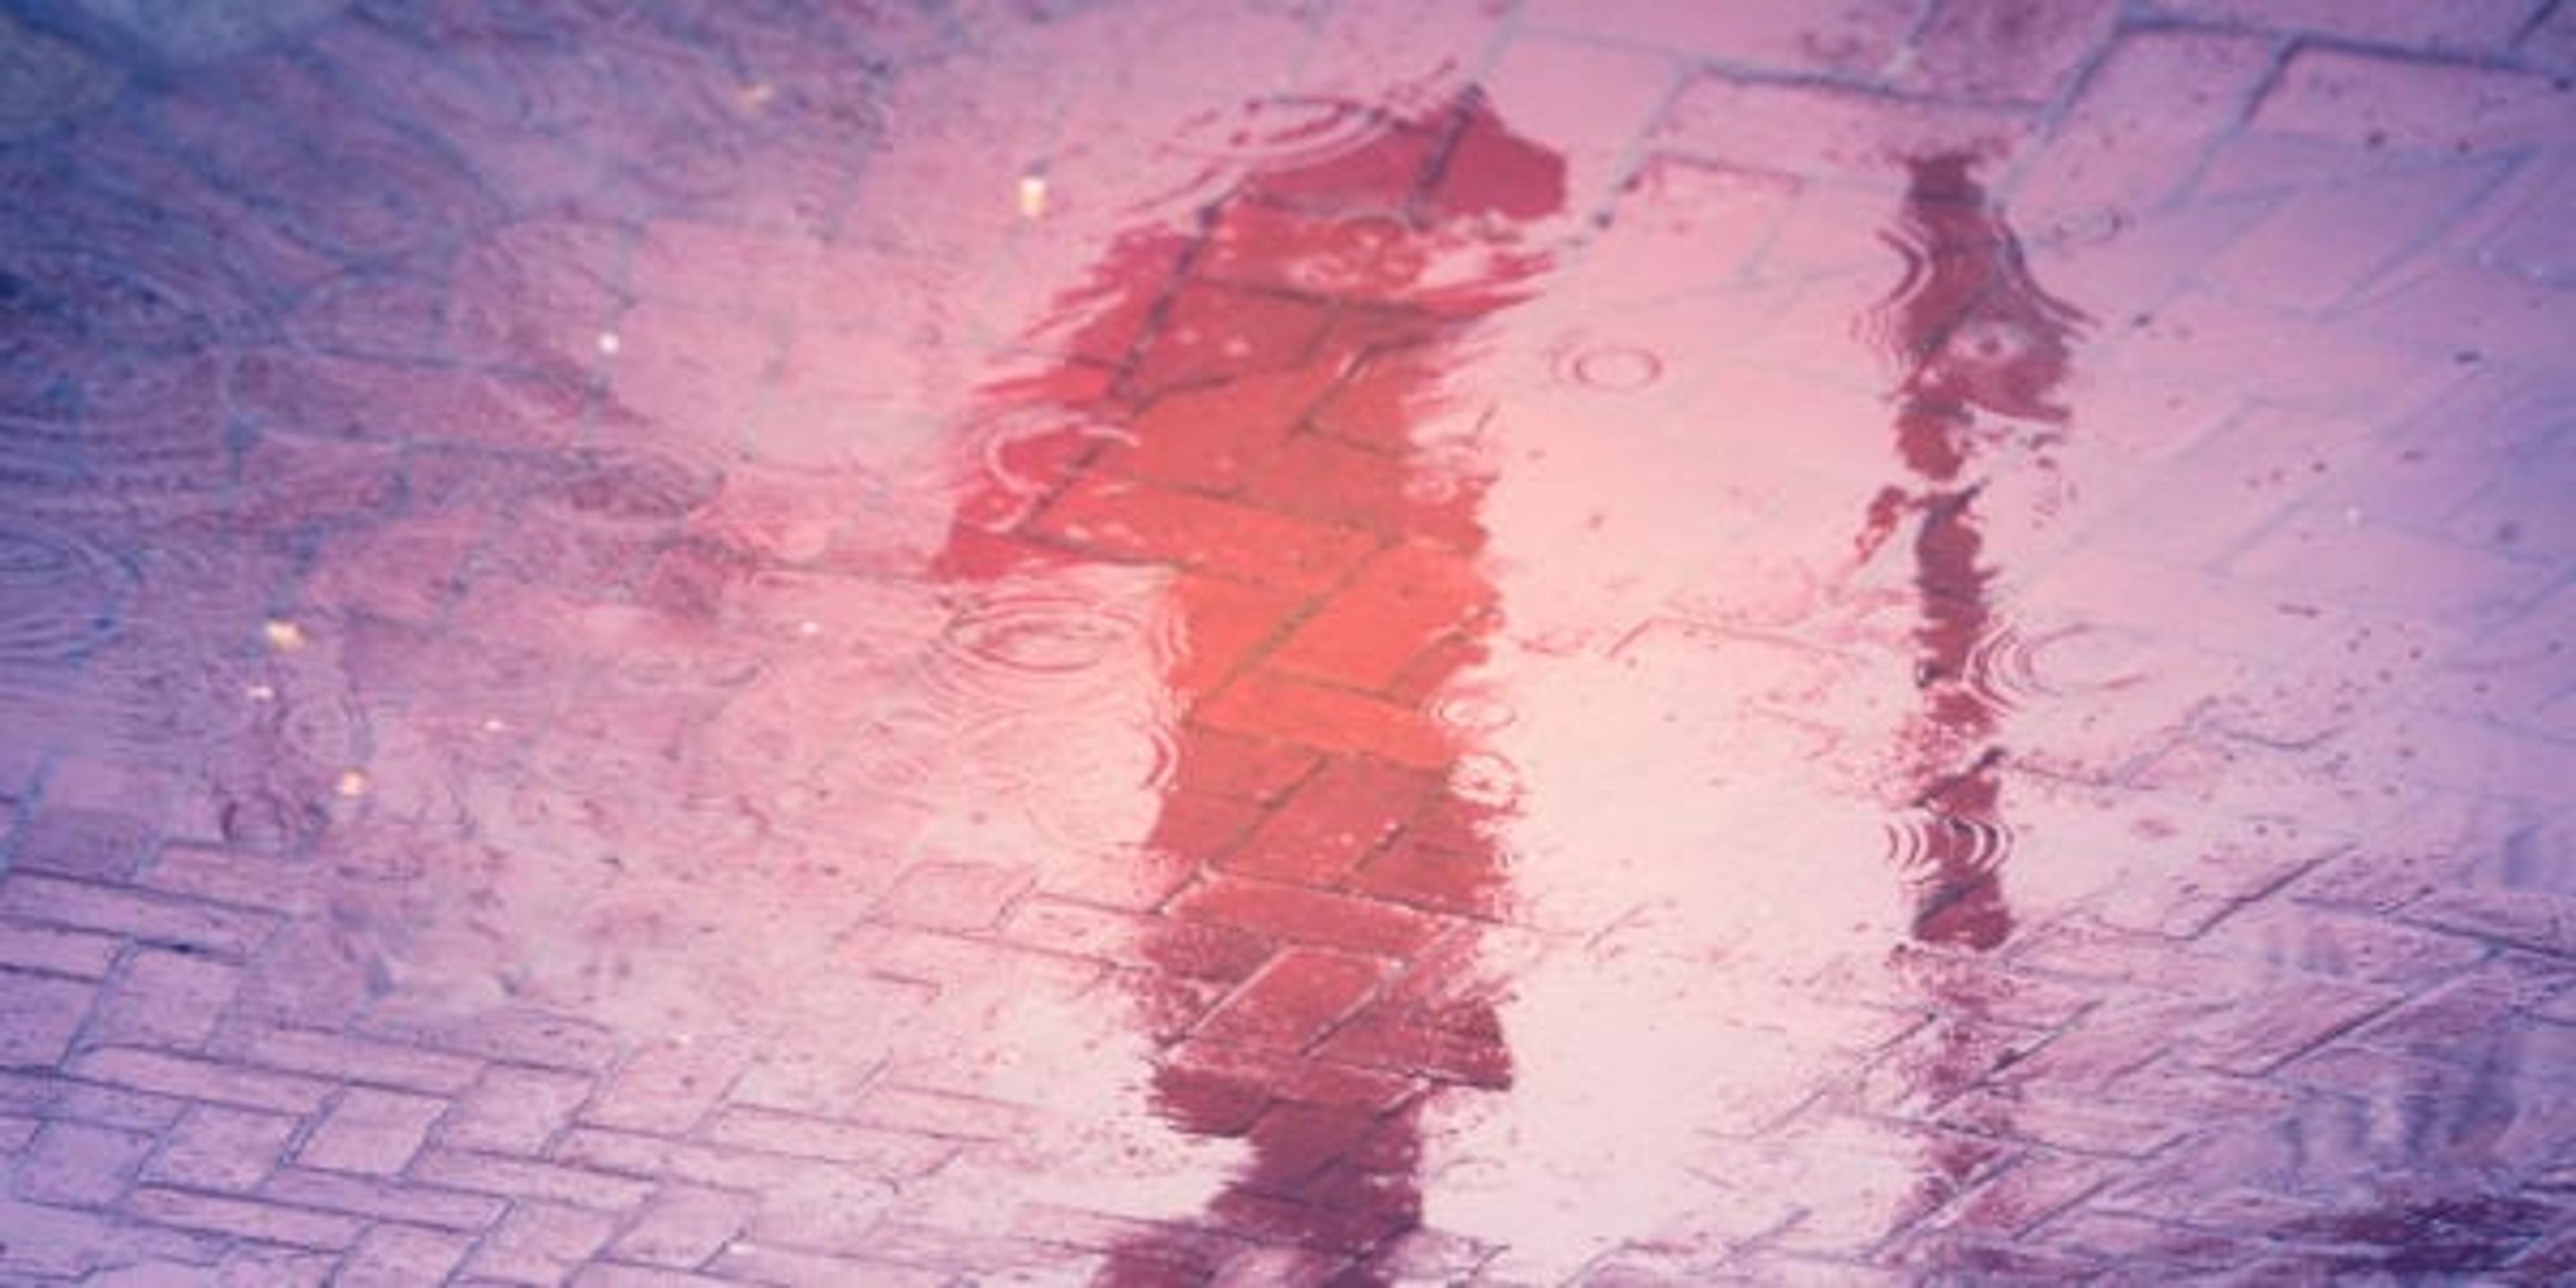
pixel 1257 380
pixel 1975 334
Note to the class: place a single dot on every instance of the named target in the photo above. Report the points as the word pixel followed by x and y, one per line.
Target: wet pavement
pixel 1287 641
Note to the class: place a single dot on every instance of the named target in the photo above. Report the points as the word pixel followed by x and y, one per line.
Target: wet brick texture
pixel 658 642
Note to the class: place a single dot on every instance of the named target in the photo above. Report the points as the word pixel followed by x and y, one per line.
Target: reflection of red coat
pixel 1238 404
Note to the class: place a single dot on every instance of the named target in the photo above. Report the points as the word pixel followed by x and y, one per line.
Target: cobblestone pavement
pixel 853 642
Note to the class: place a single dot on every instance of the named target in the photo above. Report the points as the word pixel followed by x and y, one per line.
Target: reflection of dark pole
pixel 1261 372
pixel 1974 334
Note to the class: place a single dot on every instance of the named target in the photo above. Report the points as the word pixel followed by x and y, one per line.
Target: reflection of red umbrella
pixel 1975 334
pixel 1238 405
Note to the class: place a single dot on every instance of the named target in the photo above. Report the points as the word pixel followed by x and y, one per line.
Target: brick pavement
pixel 1153 642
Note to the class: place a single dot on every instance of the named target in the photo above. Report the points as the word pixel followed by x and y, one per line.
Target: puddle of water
pixel 1357 719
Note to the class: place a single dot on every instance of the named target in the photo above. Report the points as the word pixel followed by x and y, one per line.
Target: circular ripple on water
pixel 388 195
pixel 1087 781
pixel 2009 669
pixel 1010 459
pixel 1051 646
pixel 1281 133
pixel 1608 368
pixel 38 354
pixel 159 691
pixel 1950 847
pixel 129 286
pixel 60 593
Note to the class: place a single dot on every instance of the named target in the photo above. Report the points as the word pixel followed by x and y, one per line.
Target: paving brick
pixel 53 950
pixel 195 1079
pixel 513 1110
pixel 1189 949
pixel 1380 1040
pixel 871 1149
pixel 63 1243
pixel 959 897
pixel 2475 314
pixel 1212 438
pixel 1265 704
pixel 763 1263
pixel 521 1178
pixel 337 1056
pixel 1402 601
pixel 2346 372
pixel 2482 25
pixel 1211 333
pixel 1257 770
pixel 834 1196
pixel 79 1165
pixel 370 1131
pixel 684 1226
pixel 44 1094
pixel 532 1037
pixel 539 1243
pixel 1768 34
pixel 609 1274
pixel 1142 521
pixel 2005 51
pixel 164 999
pixel 215 1147
pixel 935 1113
pixel 829 1211
pixel 1228 625
pixel 2409 104
pixel 2328 943
pixel 391 1256
pixel 2531 919
pixel 1304 916
pixel 1418 872
pixel 39 1016
pixel 1816 131
pixel 307 975
pixel 91 845
pixel 2319 245
pixel 1295 999
pixel 1334 822
pixel 666 1087
pixel 83 906
pixel 391 1200
pixel 242 1218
